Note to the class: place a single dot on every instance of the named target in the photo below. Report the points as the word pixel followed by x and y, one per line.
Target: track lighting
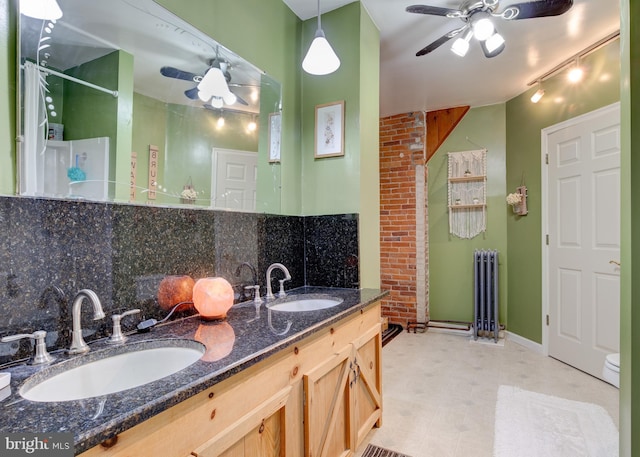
pixel 535 98
pixel 41 9
pixel 220 122
pixel 321 59
pixel 252 126
pixel 576 73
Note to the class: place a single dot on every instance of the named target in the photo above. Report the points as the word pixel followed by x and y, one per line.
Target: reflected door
pixel 584 239
pixel 234 178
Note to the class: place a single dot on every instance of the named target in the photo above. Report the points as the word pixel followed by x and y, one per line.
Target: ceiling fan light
pixel 460 47
pixel 217 102
pixel 230 98
pixel 494 42
pixel 535 98
pixel 482 27
pixel 214 85
pixel 41 9
pixel 321 59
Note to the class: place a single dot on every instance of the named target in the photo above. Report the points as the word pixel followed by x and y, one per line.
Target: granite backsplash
pixel 50 249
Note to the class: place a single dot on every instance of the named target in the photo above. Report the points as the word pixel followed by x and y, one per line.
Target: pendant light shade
pixel 321 59
pixel 41 9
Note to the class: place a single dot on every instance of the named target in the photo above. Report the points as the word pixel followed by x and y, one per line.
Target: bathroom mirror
pixel 123 101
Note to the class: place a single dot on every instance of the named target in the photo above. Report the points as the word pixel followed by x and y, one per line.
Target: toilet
pixel 611 369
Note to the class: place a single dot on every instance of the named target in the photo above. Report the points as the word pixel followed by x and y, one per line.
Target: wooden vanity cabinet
pixel 317 398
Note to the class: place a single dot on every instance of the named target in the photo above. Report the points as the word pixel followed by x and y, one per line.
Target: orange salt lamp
pixel 218 337
pixel 173 290
pixel 212 297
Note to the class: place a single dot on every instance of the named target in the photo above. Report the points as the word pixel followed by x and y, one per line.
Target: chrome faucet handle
pixel 116 336
pixel 281 293
pixel 42 356
pixel 256 295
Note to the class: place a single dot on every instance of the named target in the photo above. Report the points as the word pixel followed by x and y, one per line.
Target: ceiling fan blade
pixel 171 72
pixel 540 8
pixel 439 42
pixel 434 10
pixel 192 93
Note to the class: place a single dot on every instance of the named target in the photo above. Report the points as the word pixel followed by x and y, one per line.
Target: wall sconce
pixel 212 297
pixel 518 201
pixel 41 9
pixel 321 59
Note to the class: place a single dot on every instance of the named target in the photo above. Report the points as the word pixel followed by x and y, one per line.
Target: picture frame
pixel 329 130
pixel 275 135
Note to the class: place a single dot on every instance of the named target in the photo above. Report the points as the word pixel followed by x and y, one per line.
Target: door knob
pixel 613 262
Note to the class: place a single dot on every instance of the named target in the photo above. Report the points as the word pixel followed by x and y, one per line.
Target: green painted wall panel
pixel 451 258
pixel 332 185
pixel 525 120
pixel 369 152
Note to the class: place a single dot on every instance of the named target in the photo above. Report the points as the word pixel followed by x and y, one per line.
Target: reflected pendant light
pixel 321 59
pixel 41 9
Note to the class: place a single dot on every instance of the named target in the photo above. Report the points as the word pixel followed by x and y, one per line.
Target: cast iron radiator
pixel 485 294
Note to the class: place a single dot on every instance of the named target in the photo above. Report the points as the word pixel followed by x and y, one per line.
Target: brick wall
pixel 398 225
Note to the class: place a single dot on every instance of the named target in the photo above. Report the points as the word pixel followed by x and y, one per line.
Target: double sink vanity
pixel 299 376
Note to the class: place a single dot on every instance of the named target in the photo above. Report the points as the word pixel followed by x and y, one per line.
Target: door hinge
pixel 546 158
pixel 547 320
pixel 547 239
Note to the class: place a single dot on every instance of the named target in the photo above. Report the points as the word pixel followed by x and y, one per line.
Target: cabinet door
pixel 327 410
pixel 260 433
pixel 367 393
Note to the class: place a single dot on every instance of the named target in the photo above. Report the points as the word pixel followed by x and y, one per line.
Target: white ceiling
pixel 443 80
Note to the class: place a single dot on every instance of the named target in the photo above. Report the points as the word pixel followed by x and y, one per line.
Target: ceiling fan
pixel 212 87
pixel 477 16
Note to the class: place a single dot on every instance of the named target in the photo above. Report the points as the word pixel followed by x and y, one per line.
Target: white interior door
pixel 234 178
pixel 583 214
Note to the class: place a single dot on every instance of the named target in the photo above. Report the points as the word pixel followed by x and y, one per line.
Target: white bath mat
pixel 530 424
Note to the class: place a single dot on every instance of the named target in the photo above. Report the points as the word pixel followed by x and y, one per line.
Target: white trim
pixel 522 341
pixel 544 207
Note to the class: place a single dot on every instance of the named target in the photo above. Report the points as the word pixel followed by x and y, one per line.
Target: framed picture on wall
pixel 275 132
pixel 329 131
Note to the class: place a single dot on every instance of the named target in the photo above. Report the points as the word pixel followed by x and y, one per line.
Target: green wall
pixel 8 95
pixel 327 181
pixel 630 224
pixel 525 120
pixel 451 258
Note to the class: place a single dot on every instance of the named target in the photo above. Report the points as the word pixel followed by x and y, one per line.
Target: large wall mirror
pixel 123 101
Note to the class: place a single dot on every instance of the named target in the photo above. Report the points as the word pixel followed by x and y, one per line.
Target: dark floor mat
pixel 375 451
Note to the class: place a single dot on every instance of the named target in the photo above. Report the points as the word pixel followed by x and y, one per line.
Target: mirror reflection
pixel 124 101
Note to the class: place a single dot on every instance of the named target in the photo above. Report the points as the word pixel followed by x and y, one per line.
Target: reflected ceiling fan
pixel 477 17
pixel 212 87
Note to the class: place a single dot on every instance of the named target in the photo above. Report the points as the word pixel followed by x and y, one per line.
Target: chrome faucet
pixel 287 277
pixel 78 346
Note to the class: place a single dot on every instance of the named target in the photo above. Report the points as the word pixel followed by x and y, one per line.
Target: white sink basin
pixel 302 304
pixel 139 364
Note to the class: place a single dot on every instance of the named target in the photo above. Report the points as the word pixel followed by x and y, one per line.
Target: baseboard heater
pixel 485 294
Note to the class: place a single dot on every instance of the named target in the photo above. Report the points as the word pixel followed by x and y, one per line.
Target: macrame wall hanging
pixel 467 193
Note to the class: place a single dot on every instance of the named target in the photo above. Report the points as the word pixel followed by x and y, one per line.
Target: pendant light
pixel 321 59
pixel 41 9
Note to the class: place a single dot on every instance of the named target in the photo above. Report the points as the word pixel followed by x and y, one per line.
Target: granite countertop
pixel 247 336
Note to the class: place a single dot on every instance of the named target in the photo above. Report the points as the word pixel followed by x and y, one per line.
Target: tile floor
pixel 440 392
